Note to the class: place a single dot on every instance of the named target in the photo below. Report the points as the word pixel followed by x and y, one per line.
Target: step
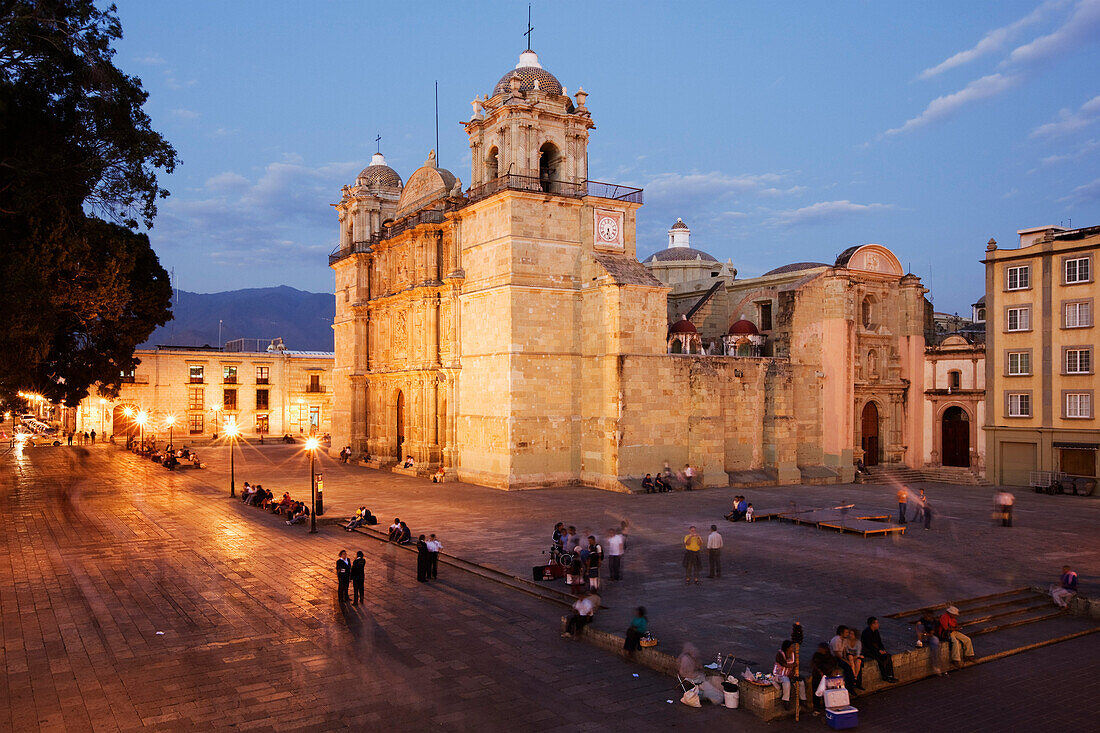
pixel 1046 607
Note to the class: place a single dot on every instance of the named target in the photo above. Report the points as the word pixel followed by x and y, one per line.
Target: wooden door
pixel 955 437
pixel 869 431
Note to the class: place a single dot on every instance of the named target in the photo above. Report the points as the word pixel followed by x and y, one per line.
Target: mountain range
pixel 302 319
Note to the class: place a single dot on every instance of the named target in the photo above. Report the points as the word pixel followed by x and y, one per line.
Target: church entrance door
pixel 869 430
pixel 955 436
pixel 400 424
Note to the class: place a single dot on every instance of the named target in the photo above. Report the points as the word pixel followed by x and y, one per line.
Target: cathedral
pixel 506 332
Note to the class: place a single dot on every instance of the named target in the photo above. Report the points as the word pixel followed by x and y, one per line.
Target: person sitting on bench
pixel 648 485
pixel 1066 589
pixel 661 484
pixel 875 649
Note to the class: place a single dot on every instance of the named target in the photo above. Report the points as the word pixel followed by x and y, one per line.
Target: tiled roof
pixel 680 254
pixel 382 175
pixel 794 267
pixel 527 75
pixel 626 270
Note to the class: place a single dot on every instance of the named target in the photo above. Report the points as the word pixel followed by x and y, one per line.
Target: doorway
pixel 955 437
pixel 400 423
pixel 869 431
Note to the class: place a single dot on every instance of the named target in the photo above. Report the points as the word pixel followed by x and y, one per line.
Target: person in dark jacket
pixel 822 664
pixel 875 649
pixel 423 560
pixel 357 577
pixel 343 576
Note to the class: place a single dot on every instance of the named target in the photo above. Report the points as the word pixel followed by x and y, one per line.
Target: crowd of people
pixel 665 480
pixel 293 510
pixel 741 511
pixel 167 456
pixel 583 556
pixel 81 438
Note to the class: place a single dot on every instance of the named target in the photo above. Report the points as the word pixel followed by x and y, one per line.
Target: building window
pixel 1019 319
pixel 954 379
pixel 229 399
pixel 195 371
pixel 1078 404
pixel 126 376
pixel 1018 278
pixel 229 375
pixel 868 313
pixel 1077 270
pixel 261 399
pixel 314 418
pixel 314 383
pixel 766 316
pixel 1019 363
pixel 1078 361
pixel 1078 315
pixel 980 316
pixel 1019 405
pixel 194 424
pixel 261 424
pixel 195 399
pixel 261 375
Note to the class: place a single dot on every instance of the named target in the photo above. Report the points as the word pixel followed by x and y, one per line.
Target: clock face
pixel 609 229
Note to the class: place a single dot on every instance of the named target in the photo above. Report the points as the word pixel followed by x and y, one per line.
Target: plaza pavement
pixel 103 550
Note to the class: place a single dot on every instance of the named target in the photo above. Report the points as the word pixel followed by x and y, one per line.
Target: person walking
pixel 421 560
pixel 714 553
pixel 434 546
pixel 616 544
pixel 592 561
pixel 903 503
pixel 358 567
pixel 343 576
pixel 689 477
pixel 926 509
pixel 93 437
pixel 693 543
pixel 1003 502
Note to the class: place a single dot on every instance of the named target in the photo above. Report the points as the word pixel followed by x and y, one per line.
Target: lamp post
pixel 142 418
pixel 102 418
pixel 170 421
pixel 311 446
pixel 231 432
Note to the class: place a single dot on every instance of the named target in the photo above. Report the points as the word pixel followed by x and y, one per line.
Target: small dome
pixel 378 173
pixel 683 326
pixel 680 224
pixel 743 328
pixel 794 267
pixel 528 70
pixel 680 254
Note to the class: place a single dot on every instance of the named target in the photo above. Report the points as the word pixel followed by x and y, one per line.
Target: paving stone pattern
pixel 103 550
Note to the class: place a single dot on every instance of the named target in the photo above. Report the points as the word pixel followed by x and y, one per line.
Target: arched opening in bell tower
pixel 492 164
pixel 549 165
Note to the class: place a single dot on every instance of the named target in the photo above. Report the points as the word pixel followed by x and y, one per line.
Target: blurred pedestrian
pixel 1002 503
pixel 358 567
pixel 616 544
pixel 434 546
pixel 903 503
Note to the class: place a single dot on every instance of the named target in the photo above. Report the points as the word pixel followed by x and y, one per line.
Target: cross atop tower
pixel 529 27
pixel 378 144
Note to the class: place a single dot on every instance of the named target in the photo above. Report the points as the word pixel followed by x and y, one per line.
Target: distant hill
pixel 303 320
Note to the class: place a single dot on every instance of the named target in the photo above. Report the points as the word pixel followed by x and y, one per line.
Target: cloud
pixel 945 106
pixel 1087 193
pixel 824 212
pixel 153 59
pixel 782 191
pixel 225 180
pixel 1069 121
pixel 994 40
pixel 1082 27
pixel 1077 154
pixel 185 114
pixel 677 186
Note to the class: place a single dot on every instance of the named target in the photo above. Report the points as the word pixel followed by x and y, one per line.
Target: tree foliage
pixel 79 286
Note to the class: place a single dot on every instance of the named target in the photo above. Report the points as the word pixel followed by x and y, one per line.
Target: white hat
pixel 953 610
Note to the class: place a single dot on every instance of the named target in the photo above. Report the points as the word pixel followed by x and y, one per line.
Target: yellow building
pixel 196 390
pixel 1040 344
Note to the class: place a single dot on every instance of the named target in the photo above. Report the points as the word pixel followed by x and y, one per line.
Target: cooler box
pixel 839 714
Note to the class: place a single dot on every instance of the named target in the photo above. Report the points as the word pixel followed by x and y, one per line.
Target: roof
pixel 680 254
pixel 626 270
pixel 843 257
pixel 683 326
pixel 980 303
pixel 743 327
pixel 378 173
pixel 794 267
pixel 679 224
pixel 528 71
pixel 304 354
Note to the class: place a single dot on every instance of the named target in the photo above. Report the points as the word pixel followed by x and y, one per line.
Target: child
pixel 748 514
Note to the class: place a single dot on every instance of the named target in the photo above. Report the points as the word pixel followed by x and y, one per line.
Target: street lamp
pixel 311 446
pixel 170 421
pixel 231 432
pixel 102 418
pixel 142 418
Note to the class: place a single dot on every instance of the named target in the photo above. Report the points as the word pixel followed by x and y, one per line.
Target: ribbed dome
pixel 378 174
pixel 528 70
pixel 743 328
pixel 794 267
pixel 680 254
pixel 683 326
pixel 680 224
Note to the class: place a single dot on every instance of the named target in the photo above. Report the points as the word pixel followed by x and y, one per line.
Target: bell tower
pixel 531 130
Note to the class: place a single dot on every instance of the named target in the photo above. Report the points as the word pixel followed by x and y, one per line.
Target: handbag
pixel 691 698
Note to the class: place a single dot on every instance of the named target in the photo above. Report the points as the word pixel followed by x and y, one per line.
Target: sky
pixel 780 132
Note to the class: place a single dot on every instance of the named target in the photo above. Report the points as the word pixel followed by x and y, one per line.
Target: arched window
pixel 981 315
pixel 954 379
pixel 549 163
pixel 492 164
pixel 869 313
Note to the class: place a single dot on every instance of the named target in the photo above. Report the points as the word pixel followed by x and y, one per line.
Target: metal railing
pixel 615 191
pixel 315 388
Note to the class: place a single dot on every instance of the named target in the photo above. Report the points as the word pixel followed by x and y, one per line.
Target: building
pixel 198 389
pixel 1040 343
pixel 507 333
pixel 954 404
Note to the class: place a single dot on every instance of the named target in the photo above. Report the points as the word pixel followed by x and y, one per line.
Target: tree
pixel 78 172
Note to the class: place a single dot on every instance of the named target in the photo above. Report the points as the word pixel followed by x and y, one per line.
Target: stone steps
pixel 892 473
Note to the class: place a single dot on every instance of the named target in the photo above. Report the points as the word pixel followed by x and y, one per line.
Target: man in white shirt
pixel 616 543
pixel 583 611
pixel 434 546
pixel 714 552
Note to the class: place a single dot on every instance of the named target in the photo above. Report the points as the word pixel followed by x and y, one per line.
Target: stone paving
pixel 103 550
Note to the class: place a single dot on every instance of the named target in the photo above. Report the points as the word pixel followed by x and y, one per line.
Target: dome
pixel 794 267
pixel 378 173
pixel 743 328
pixel 680 224
pixel 683 326
pixel 680 254
pixel 528 70
pixel 427 185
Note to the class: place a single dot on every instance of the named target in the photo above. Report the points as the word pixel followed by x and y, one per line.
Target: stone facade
pixel 954 404
pixel 266 393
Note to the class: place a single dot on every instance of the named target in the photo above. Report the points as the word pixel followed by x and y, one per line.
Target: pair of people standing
pixel 427 558
pixel 693 547
pixel 350 573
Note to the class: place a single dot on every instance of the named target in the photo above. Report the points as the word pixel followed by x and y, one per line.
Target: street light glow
pixel 170 420
pixel 142 417
pixel 312 443
pixel 128 412
pixel 231 428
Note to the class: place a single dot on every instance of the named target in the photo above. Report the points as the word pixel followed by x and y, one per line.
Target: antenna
pixel 437 122
pixel 378 144
pixel 529 27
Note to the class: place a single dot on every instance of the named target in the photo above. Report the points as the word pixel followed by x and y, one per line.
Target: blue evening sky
pixel 780 132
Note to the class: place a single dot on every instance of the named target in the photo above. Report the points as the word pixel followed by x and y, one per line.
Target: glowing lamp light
pixel 142 417
pixel 128 412
pixel 170 420
pixel 231 429
pixel 312 444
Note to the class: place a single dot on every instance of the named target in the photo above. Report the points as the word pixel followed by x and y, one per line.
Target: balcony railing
pixel 315 388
